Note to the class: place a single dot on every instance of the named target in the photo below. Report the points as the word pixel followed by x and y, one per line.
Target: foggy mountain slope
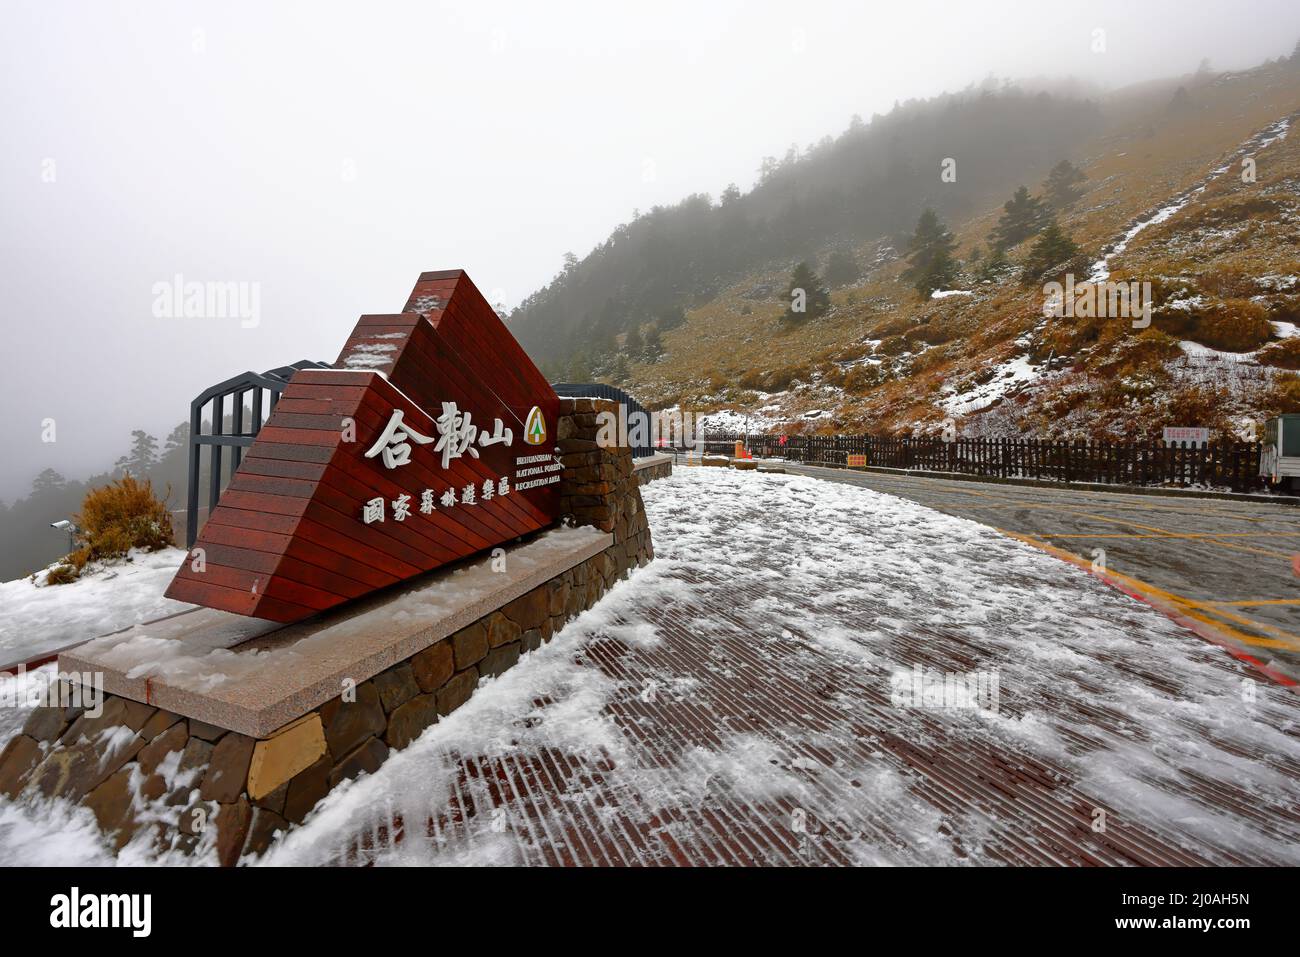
pixel 865 184
pixel 884 359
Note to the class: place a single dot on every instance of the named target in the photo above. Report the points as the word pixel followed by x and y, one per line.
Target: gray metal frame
pixel 599 390
pixel 237 388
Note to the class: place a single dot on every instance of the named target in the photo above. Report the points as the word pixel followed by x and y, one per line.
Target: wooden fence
pixel 1233 465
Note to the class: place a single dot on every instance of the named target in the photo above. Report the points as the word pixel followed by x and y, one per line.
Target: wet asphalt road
pixel 1228 564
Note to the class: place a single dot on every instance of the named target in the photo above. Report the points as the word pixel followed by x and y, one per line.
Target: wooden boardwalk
pixel 744 738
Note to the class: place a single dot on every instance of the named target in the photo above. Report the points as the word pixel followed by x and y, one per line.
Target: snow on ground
pixel 732 420
pixel 946 293
pixel 876 572
pixel 1196 350
pixel 1101 268
pixel 1007 377
pixel 35 619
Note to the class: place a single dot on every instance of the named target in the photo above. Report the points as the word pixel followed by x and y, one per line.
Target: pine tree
pixel 995 266
pixel 619 373
pixel 579 368
pixel 177 440
pixel 654 344
pixel 1061 188
pixel 632 344
pixel 671 318
pixel 48 481
pixel 842 269
pixel 142 457
pixel 1052 248
pixel 1022 217
pixel 930 262
pixel 807 298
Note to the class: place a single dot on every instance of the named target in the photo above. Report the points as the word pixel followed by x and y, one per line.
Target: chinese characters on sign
pixel 457 436
pixel 393 442
pixel 1193 434
pixel 375 509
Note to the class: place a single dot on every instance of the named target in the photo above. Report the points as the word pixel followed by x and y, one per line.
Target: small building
pixel 1279 460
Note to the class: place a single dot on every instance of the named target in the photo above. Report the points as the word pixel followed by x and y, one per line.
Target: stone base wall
pixel 201 785
pixel 648 473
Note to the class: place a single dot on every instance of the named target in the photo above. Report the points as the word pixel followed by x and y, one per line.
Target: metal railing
pixel 260 391
pixel 599 390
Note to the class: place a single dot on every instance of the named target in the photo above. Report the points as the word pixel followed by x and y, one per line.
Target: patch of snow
pixel 1101 268
pixel 1195 349
pixel 1185 304
pixel 946 293
pixel 1283 330
pixel 1277 283
pixel 39 618
pixel 734 420
pixel 1007 377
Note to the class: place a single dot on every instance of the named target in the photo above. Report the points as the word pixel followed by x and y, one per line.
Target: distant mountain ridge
pixel 866 184
pixel 688 306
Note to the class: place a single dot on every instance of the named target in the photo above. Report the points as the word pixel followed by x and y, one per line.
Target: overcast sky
pixel 329 153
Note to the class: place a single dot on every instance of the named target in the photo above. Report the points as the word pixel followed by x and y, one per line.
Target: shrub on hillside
pixel 892 346
pixel 775 380
pixel 1130 354
pixel 1230 212
pixel 1232 325
pixel 893 326
pixel 1204 405
pixel 113 520
pixel 930 333
pixel 1282 355
pixel 1283 397
pixel 1284 309
pixel 1238 327
pixel 863 378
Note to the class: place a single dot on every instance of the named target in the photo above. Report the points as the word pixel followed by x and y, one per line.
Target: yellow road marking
pixel 1295 534
pixel 1257 601
pixel 1183 605
pixel 1167 533
pixel 1077 510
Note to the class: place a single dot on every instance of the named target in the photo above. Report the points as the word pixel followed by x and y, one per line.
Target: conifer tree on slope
pixel 632 344
pixel 654 344
pixel 142 457
pixel 1061 188
pixel 931 264
pixel 1022 217
pixel 1052 248
pixel 807 290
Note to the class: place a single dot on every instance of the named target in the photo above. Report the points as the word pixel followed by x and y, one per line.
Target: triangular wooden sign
pixel 431 439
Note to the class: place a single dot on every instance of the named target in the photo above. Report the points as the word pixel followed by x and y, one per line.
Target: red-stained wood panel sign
pixel 431 439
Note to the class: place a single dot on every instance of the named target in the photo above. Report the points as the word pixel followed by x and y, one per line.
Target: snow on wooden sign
pixel 430 439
